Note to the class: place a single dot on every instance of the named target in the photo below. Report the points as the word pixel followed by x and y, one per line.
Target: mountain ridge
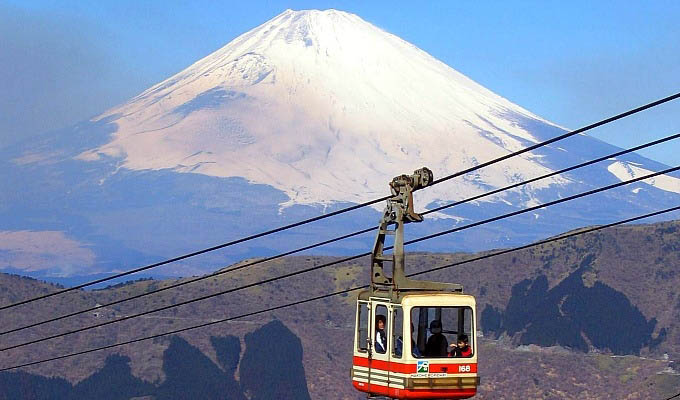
pixel 637 264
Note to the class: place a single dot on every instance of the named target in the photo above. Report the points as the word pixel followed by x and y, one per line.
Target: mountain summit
pixel 325 107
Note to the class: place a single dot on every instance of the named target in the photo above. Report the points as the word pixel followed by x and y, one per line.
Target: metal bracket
pixel 399 211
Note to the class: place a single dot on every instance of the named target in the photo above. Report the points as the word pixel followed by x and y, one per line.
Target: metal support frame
pixel 399 211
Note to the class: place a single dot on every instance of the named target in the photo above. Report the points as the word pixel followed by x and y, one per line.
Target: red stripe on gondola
pixel 450 368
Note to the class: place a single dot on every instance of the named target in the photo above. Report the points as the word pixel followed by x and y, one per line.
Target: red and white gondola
pixel 413 339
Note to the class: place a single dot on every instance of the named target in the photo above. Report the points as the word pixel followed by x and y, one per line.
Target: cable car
pixel 413 339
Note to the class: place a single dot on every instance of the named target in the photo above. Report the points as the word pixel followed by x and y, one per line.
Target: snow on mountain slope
pixel 325 107
pixel 625 171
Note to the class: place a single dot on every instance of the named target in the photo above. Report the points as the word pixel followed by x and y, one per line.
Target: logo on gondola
pixel 423 367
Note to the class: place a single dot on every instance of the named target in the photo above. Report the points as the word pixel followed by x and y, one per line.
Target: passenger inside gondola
pixel 380 335
pixel 461 348
pixel 414 347
pixel 436 327
pixel 437 345
pixel 399 346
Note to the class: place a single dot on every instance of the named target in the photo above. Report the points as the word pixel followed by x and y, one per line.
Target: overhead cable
pixel 673 397
pixel 302 271
pixel 564 136
pixel 280 255
pixel 494 254
pixel 581 165
pixel 337 212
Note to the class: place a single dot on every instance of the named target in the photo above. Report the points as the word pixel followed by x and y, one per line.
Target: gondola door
pixel 379 356
pixel 397 348
pixel 362 346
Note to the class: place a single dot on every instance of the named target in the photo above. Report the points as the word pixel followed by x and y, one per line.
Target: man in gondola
pixel 437 345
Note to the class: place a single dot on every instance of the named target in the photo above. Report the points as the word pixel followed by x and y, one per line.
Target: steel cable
pixel 337 212
pixel 270 258
pixel 423 238
pixel 554 239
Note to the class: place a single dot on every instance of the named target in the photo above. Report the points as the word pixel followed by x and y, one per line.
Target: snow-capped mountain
pixel 311 108
pixel 303 99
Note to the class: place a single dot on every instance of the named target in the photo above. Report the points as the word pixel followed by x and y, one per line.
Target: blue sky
pixel 572 63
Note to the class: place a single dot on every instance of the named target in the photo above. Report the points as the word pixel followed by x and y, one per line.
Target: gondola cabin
pixel 417 358
pixel 413 339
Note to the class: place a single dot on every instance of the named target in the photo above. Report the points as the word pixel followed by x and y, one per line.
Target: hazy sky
pixel 572 63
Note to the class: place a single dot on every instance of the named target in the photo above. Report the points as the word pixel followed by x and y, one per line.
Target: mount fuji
pixel 309 112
